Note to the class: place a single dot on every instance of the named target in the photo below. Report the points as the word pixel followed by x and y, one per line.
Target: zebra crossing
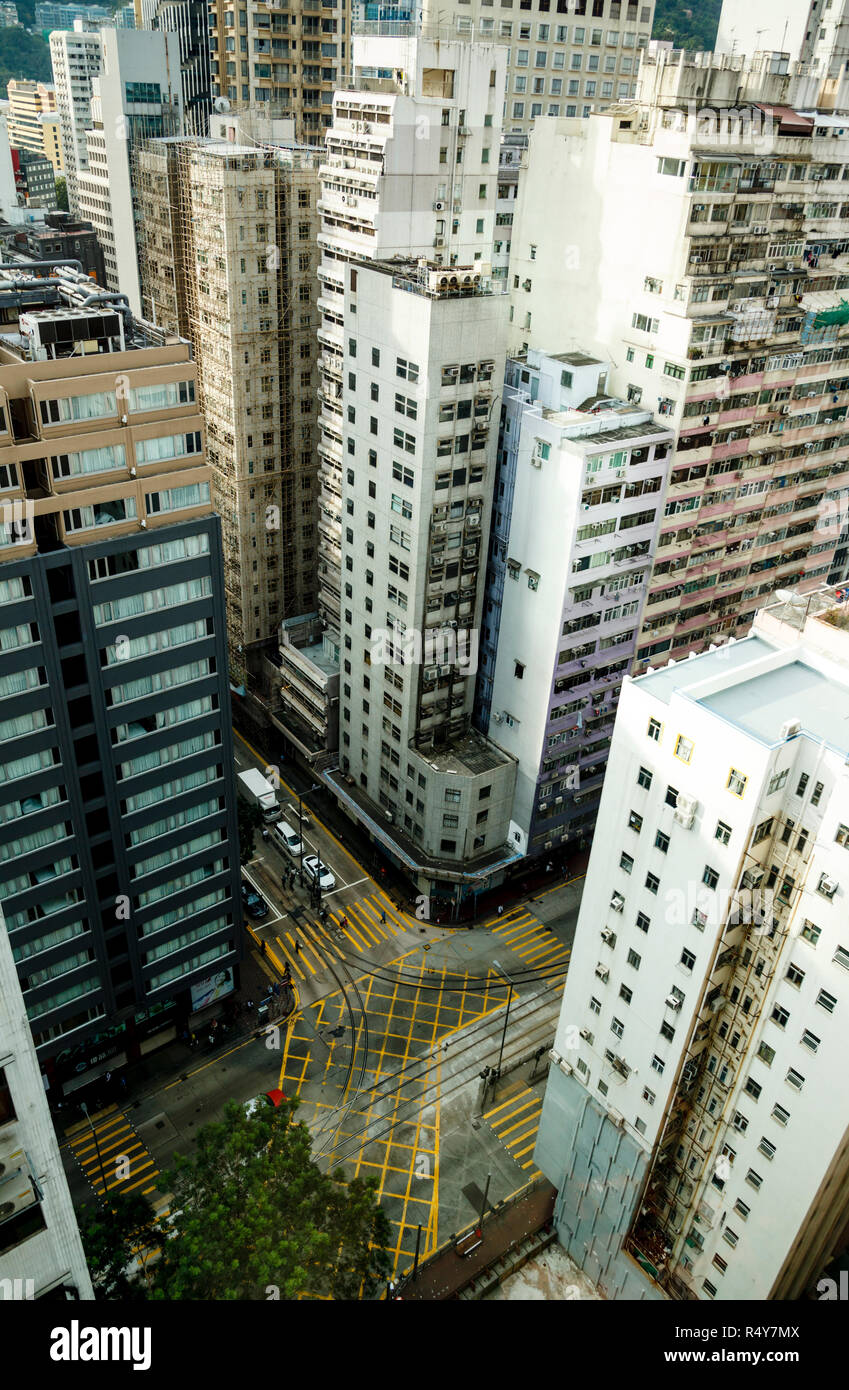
pixel 516 1123
pixel 111 1155
pixel 359 928
pixel 537 945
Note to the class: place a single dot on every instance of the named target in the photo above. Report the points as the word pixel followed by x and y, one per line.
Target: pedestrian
pixel 500 910
pixel 263 947
pixel 297 946
pixel 265 832
pixel 249 1005
pixel 382 918
pixel 549 868
pixel 212 1039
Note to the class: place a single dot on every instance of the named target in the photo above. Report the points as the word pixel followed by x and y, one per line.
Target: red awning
pixel 789 121
pixel 275 1097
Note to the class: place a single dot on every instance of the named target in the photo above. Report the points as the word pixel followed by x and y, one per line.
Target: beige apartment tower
pixel 228 260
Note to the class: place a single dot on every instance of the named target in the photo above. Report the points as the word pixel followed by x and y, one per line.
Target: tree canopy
pixel 688 23
pixel 115 1236
pixel 23 55
pixel 255 1218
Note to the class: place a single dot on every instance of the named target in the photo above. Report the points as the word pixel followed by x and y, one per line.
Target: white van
pixel 287 838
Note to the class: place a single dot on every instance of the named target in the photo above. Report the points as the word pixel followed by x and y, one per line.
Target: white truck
pixel 259 792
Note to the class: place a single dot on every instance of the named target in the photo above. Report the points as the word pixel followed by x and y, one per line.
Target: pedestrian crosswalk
pixel 516 1122
pixel 536 944
pixel 111 1154
pixel 352 931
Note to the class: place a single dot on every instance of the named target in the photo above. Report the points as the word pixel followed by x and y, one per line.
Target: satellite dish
pixel 221 104
pixel 784 596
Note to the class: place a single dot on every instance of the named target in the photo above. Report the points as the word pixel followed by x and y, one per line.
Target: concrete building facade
pixel 567 58
pixel 41 1254
pixel 578 502
pixel 189 20
pixel 290 59
pixel 700 1040
pixel 34 121
pixel 121 890
pixel 136 96
pixel 421 360
pixel 229 261
pixel 75 55
pixel 721 312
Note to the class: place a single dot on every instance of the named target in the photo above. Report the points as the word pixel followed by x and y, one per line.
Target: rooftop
pixel 575 359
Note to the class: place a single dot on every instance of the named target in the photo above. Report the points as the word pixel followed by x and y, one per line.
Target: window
pixel 644 778
pixel 780 1016
pixel 617 1027
pixel 817 792
pixel 710 877
pixel 634 960
pixel 778 781
pixel 652 883
pixel 688 959
pixel 794 975
pixel 811 932
pixel 658 1065
pixel 780 1114
pixel 795 1079
pixel 671 797
pixel 766 1148
pixel 643 922
pixel 841 957
pixel 762 831
pixel 667 1031
pixel 661 842
pixel 683 748
pixel 654 730
pixel 741 1209
pixel 635 822
pixel 626 862
pixel 649 1096
pixel 722 832
pixel 736 782
pixel 826 1001
pixel 754 1179
pixel 595 1005
pixel 811 1040
pixel 626 993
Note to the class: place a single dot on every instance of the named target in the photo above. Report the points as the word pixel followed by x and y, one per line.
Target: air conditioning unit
pixel 430 673
pixel 438 528
pixel 464 130
pixel 16 1189
pixel 672 1001
pixel 752 878
pixel 350 201
pixel 474 519
pixel 498 718
pixel 685 810
pixel 759 231
pixel 586 1035
pixel 439 241
pixel 616 1119
pixel 608 935
pixel 785 410
pixel 445 670
pixel 617 902
pixel 602 972
pixel 790 728
pixel 439 207
pixel 827 886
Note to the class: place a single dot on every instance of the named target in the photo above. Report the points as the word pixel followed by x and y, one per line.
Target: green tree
pixel 688 23
pixel 113 1238
pixel 250 820
pixel 253 1213
pixel 61 194
pixel 23 55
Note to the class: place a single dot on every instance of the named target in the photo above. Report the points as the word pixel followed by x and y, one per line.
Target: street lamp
pixel 505 976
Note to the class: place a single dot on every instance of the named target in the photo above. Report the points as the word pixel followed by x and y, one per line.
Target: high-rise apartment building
pixel 701 1039
pixel 410 168
pixel 291 58
pixel 578 502
pixel 136 96
pixel 41 1254
pixel 34 121
pixel 50 17
pixel 421 365
pixel 723 311
pixel 567 59
pixel 75 55
pixel 229 251
pixel 815 32
pixel 189 20
pixel 118 834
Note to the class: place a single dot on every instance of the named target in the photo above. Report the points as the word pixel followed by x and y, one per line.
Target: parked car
pixel 253 902
pixel 319 873
pixel 287 838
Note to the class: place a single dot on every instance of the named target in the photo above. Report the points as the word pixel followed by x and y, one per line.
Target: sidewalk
pixel 446 1273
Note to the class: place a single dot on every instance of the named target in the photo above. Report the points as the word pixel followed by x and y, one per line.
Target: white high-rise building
pixel 422 365
pixel 41 1253
pixel 703 1034
pixel 136 96
pixel 810 31
pixel 577 507
pixel 411 169
pixel 76 57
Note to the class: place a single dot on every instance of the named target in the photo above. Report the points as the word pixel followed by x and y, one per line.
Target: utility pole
pixel 84 1109
pixel 483 1203
pixel 503 973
